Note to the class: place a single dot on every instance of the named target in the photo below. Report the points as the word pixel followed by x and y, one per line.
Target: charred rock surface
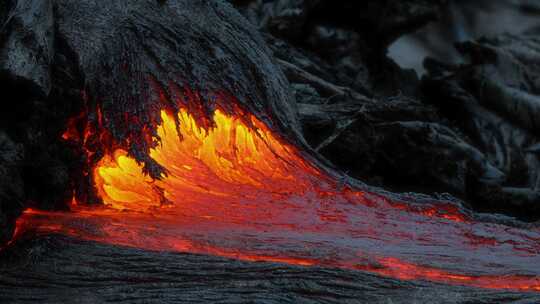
pixel 27 44
pixel 344 105
pixel 399 135
pixel 11 185
pixel 34 112
pixel 358 108
pixel 460 21
pixel 119 65
pixel 351 36
pixel 494 101
pixel 140 59
pixel 112 274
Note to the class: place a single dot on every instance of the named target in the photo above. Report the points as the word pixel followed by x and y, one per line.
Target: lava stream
pixel 238 191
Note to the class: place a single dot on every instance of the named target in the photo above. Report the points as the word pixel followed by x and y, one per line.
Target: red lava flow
pixel 237 190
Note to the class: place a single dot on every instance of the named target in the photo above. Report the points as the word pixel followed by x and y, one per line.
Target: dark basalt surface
pixel 11 185
pixel 57 269
pixel 325 83
pixel 469 130
pixel 141 58
pixel 495 101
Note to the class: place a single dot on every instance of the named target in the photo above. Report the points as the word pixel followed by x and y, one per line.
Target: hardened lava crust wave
pixel 235 189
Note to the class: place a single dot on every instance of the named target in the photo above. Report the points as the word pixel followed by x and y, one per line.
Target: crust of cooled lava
pixel 105 70
pixel 115 67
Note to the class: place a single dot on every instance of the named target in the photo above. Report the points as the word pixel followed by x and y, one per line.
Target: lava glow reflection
pixel 237 191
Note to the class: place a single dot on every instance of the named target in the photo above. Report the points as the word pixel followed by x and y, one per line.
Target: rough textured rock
pixel 51 270
pixel 463 20
pixel 35 110
pixel 352 36
pixel 335 71
pixel 392 142
pixel 506 77
pixel 380 22
pixel 26 47
pixel 11 185
pixel 120 64
pixel 494 101
pixel 140 59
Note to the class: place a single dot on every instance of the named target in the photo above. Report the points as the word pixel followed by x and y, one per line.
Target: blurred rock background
pixel 462 21
pixel 418 96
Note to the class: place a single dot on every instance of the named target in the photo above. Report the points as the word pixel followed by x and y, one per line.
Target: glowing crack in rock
pixel 237 190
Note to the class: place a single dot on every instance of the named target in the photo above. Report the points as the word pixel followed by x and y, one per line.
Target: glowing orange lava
pixel 229 161
pixel 236 190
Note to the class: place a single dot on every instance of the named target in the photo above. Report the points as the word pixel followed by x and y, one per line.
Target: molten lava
pixel 237 190
pixel 228 162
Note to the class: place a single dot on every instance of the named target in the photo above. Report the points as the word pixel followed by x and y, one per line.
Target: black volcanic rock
pixel 11 185
pixel 398 143
pixel 130 56
pixel 495 101
pixel 469 130
pixel 352 36
pixel 113 274
pixel 26 45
